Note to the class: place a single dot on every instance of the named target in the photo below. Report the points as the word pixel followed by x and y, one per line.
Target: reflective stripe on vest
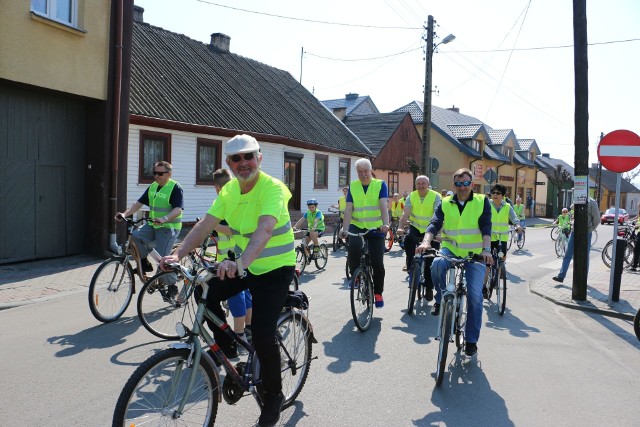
pixel 421 211
pixel 159 205
pixel 280 249
pixel 366 207
pixel 225 244
pixel 500 223
pixel 461 233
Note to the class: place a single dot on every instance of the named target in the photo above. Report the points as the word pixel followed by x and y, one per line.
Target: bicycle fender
pixel 208 359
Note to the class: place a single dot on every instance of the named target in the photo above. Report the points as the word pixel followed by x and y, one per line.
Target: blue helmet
pixel 312 202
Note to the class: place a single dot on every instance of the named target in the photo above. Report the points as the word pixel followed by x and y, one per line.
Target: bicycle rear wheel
pixel 295 354
pixel 555 230
pixel 501 288
pixel 461 320
pixel 154 391
pixel 321 256
pixel 636 324
pixel 388 239
pixel 301 259
pixel 520 242
pixel 561 246
pixel 164 301
pixel 111 289
pixel 295 283
pixel 361 299
pixel 594 237
pixel 414 283
pixel 446 318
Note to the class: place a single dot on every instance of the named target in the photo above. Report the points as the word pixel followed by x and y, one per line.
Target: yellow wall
pixel 39 52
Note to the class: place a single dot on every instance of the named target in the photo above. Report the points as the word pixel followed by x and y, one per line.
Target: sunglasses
pixel 496 192
pixel 159 173
pixel 237 157
pixel 462 183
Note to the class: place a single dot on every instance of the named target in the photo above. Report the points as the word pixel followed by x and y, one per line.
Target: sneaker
pixel 270 414
pixel 558 279
pixel 470 349
pixel 404 268
pixel 435 310
pixel 428 293
pixel 379 300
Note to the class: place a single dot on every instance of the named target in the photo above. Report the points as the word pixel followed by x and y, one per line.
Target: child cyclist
pixel 564 222
pixel 315 224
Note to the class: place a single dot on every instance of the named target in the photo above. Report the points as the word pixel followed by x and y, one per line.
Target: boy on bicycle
pixel 564 222
pixel 315 225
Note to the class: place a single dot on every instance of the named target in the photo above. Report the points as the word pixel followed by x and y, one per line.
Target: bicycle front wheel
pixel 446 318
pixel 501 288
pixel 346 268
pixel 336 238
pixel 520 242
pixel 555 230
pixel 321 256
pixel 414 284
pixel 164 301
pixel 388 239
pixel 461 320
pixel 636 324
pixel 511 233
pixel 111 289
pixel 158 386
pixel 561 246
pixel 301 259
pixel 294 337
pixel 594 237
pixel 361 299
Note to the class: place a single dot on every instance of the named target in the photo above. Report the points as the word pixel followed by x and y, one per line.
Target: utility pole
pixel 301 56
pixel 581 143
pixel 600 177
pixel 426 107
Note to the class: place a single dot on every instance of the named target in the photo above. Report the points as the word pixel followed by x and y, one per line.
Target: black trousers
pixel 269 292
pixel 636 250
pixel 376 254
pixel 411 241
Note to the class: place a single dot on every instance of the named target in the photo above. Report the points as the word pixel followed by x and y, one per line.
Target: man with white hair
pixel 367 210
pixel 255 206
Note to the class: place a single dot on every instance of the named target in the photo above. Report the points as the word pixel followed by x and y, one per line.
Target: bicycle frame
pixel 454 290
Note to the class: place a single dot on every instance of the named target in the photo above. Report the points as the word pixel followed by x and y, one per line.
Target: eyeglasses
pixel 237 157
pixel 462 183
pixel 496 192
pixel 160 173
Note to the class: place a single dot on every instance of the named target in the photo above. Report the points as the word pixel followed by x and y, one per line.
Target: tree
pixel 631 175
pixel 559 176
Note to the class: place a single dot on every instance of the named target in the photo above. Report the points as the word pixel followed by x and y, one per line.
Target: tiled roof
pixel 551 163
pixel 375 130
pixel 499 136
pixel 176 78
pixel 608 181
pixel 525 144
pixel 492 153
pixel 520 157
pixel 351 102
pixel 464 131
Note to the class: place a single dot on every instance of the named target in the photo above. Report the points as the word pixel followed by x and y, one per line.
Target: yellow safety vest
pixel 461 233
pixel 519 210
pixel 342 205
pixel 500 223
pixel 225 244
pixel 311 218
pixel 397 209
pixel 159 205
pixel 366 207
pixel 242 212
pixel 564 222
pixel 421 211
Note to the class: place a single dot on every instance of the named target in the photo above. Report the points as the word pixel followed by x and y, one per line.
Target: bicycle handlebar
pixel 469 258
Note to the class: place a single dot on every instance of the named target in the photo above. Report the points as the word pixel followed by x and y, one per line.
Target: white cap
pixel 241 144
pixel 449 193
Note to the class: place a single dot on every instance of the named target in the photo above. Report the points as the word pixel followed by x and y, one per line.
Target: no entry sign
pixel 619 151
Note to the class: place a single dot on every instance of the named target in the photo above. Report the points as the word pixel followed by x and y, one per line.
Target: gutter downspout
pixel 113 243
pixel 498 171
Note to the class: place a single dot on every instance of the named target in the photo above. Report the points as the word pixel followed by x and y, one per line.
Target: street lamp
pixel 426 107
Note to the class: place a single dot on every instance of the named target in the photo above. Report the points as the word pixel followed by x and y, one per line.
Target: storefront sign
pixel 506 178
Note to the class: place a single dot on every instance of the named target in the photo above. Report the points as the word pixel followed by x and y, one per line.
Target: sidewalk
pixel 34 281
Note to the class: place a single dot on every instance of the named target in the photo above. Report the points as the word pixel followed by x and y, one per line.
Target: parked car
pixel 609 215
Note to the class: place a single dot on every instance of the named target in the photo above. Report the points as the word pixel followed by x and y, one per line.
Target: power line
pixel 308 20
pixel 364 59
pixel 546 47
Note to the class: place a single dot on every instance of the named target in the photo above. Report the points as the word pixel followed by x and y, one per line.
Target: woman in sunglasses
pixel 501 213
pixel 165 200
pixel 465 220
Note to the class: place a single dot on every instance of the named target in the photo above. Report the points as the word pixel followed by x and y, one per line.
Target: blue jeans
pixel 474 273
pixel 568 256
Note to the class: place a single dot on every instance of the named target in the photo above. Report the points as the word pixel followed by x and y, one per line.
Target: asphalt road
pixel 539 364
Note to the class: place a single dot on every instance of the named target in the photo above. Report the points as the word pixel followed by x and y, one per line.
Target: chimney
pixel 454 109
pixel 220 42
pixel 351 96
pixel 547 155
pixel 340 112
pixel 138 14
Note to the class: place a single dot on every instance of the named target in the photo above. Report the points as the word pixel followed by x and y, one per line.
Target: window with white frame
pixel 476 144
pixel 507 151
pixel 154 147
pixel 532 156
pixel 344 169
pixel 64 11
pixel 320 176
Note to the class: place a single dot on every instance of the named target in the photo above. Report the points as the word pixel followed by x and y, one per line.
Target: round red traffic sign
pixel 619 151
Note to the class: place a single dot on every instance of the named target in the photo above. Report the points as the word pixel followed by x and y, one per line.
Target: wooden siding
pixel 405 142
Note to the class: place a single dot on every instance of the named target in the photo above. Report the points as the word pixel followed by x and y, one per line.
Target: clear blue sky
pixel 508 65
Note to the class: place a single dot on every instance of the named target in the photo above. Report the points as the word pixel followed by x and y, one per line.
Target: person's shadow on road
pixel 351 345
